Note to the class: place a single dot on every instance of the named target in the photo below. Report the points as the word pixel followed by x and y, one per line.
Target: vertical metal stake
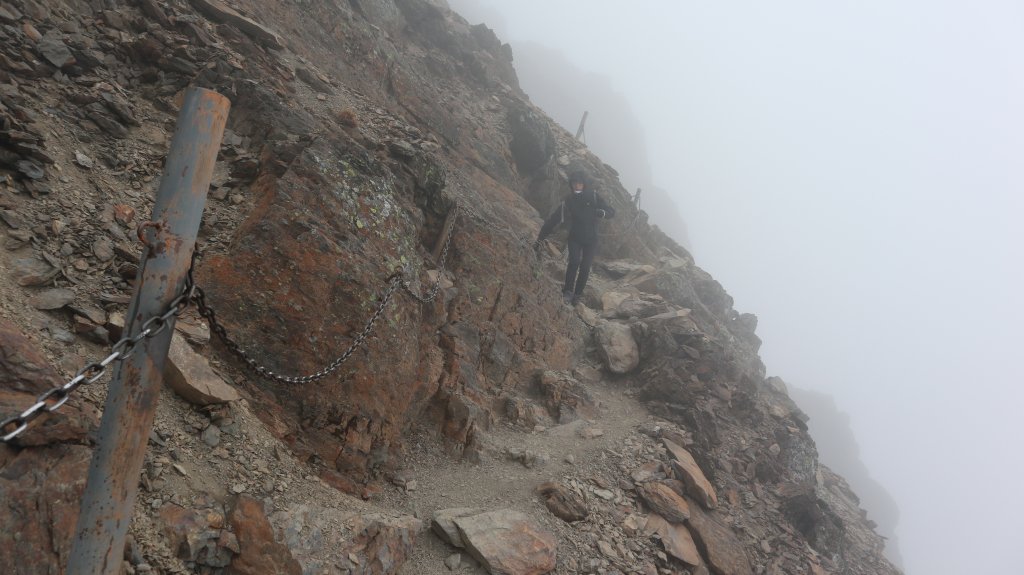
pixel 128 415
pixel 579 131
pixel 449 222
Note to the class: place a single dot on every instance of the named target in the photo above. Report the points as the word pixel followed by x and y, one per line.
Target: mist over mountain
pixel 612 130
pixel 838 449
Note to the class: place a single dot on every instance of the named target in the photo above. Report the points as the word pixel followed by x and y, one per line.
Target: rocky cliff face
pixel 357 129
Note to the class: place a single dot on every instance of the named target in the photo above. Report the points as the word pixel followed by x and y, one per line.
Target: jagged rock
pixel 53 49
pixel 33 272
pixel 83 160
pixel 221 12
pixel 532 143
pixel 443 524
pixel 328 540
pixel 313 79
pixel 9 14
pixel 103 249
pixel 618 348
pixel 52 298
pixel 564 397
pixel 41 482
pixel 196 333
pixel 676 538
pixel 42 489
pixel 622 268
pixel 507 542
pixel 650 471
pixel 31 169
pixel 724 552
pixel 664 501
pixel 153 10
pixel 259 551
pixel 197 535
pixel 24 375
pixel 12 219
pixel 190 376
pixel 562 502
pixel 697 486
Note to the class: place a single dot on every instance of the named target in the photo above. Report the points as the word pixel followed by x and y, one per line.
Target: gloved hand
pixel 600 213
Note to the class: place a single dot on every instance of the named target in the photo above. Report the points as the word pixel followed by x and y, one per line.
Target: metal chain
pixel 397 281
pixel 55 398
pixel 215 326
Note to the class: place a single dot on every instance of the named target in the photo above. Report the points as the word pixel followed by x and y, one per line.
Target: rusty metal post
pixel 449 222
pixel 128 415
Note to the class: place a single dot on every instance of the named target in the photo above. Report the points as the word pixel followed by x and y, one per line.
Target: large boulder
pixel 617 346
pixel 507 542
pixel 41 480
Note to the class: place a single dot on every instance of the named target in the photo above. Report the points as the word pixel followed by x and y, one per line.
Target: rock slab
pixel 676 538
pixel 191 377
pixel 507 542
pixel 664 501
pixel 722 549
pixel 697 485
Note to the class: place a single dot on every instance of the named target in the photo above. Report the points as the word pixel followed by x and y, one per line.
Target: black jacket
pixel 581 210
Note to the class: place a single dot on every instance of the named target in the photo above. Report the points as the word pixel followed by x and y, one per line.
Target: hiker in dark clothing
pixel 582 208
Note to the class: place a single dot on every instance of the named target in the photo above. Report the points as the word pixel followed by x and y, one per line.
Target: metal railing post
pixel 130 408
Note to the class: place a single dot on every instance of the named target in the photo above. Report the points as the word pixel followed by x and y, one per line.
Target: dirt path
pixel 499 482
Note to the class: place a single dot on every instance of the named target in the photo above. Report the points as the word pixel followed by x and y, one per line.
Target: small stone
pixel 12 219
pixel 570 459
pixel 238 488
pixel 191 377
pixel 604 494
pixel 211 436
pixel 237 199
pixel 124 214
pixel 103 249
pixel 453 561
pixel 31 32
pixel 775 449
pixel 180 469
pixel 591 433
pixel 83 160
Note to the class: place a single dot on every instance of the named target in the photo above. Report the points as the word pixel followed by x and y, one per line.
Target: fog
pixel 851 173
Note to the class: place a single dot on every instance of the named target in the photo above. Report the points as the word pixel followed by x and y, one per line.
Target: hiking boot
pixel 576 299
pixel 568 298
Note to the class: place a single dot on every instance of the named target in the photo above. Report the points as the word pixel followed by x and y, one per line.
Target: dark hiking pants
pixel 581 256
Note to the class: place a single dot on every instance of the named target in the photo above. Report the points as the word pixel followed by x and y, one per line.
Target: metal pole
pixel 583 122
pixel 128 415
pixel 449 221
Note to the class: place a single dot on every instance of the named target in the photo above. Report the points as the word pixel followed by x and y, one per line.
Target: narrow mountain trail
pixel 583 449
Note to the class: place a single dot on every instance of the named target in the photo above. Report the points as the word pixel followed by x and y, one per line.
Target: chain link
pixel 397 281
pixel 218 329
pixel 53 399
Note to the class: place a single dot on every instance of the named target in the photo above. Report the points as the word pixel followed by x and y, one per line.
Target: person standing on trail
pixel 581 208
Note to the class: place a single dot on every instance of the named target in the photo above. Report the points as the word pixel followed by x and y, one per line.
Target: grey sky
pixel 852 173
